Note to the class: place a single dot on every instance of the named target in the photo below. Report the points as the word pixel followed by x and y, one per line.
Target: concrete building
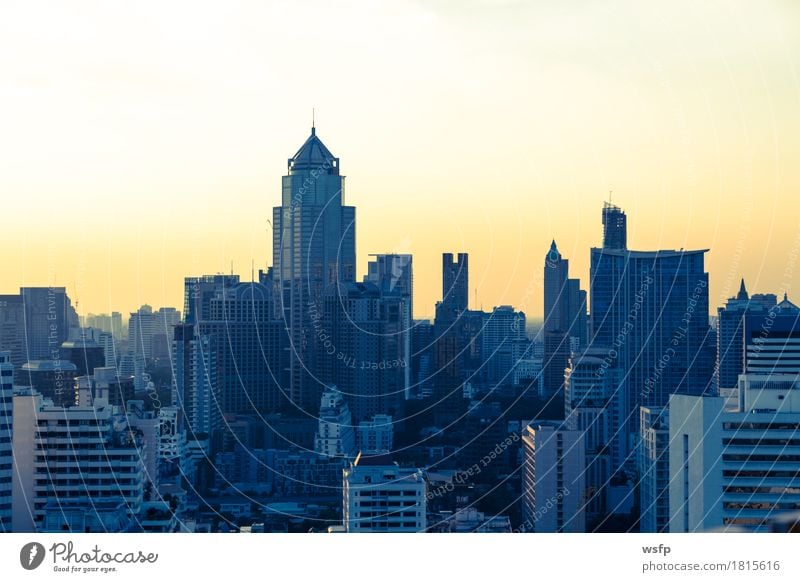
pixel 53 379
pixel 553 480
pixel 594 405
pixel 379 496
pixel 6 434
pixel 375 435
pixel 194 379
pixel 502 328
pixel 740 468
pixel 149 331
pixel 81 455
pixel 336 436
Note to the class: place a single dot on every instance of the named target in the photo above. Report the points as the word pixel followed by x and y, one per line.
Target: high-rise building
pixel 248 341
pixel 455 282
pixel 336 436
pixel 615 228
pixel 501 329
pixel 364 355
pixel 379 496
pixel 85 353
pixel 422 359
pixel 149 331
pixel 553 479
pixel 198 293
pixel 313 247
pixel 650 311
pixel 393 274
pixel 195 381
pixel 730 331
pixel 35 323
pixel 739 467
pixel 85 456
pixel 653 461
pixel 6 433
pixel 565 319
pixel 594 405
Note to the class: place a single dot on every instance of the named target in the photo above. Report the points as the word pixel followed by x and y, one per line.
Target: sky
pixel 141 142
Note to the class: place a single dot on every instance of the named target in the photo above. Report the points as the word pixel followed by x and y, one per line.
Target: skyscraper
pixel 35 323
pixel 730 332
pixel 564 319
pixel 615 228
pixel 455 282
pixel 336 436
pixel 649 310
pixel 501 329
pixel 195 382
pixel 313 246
pixel 6 432
pixel 150 331
pixel 364 356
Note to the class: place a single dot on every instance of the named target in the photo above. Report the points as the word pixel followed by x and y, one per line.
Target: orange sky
pixel 137 149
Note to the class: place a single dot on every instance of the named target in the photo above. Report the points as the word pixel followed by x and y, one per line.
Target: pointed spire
pixel 313 123
pixel 742 295
pixel 553 246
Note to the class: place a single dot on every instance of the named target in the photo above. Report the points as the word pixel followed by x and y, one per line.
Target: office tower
pixel 501 329
pixel 12 328
pixel 195 382
pixel 455 282
pixel 81 457
pixel 313 246
pixel 738 467
pixel 336 436
pixel 363 348
pixel 149 331
pixel 375 435
pixel 248 341
pixel 6 432
pixel 198 293
pixel 456 347
pixel 53 379
pixel 730 330
pixel 553 479
pixel 380 496
pixel 594 405
pixel 394 276
pixel 34 323
pixel 423 341
pixel 653 453
pixel 564 319
pixel 650 311
pixel 615 228
pixel 556 273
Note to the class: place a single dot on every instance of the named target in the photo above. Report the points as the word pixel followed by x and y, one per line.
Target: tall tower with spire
pixel 313 247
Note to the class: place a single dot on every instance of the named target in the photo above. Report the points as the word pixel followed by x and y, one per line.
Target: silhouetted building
pixel 730 332
pixel 615 228
pixel 86 354
pixel 53 379
pixel 313 247
pixel 364 339
pixel 455 282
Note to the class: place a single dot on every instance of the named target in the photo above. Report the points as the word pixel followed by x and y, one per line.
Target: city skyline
pixel 163 162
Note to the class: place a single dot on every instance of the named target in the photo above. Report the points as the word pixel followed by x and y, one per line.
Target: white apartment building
pixel 82 455
pixel 379 496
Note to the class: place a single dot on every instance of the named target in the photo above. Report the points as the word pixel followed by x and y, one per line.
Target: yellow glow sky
pixel 144 141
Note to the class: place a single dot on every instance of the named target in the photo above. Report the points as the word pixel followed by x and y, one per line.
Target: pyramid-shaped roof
pixel 314 155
